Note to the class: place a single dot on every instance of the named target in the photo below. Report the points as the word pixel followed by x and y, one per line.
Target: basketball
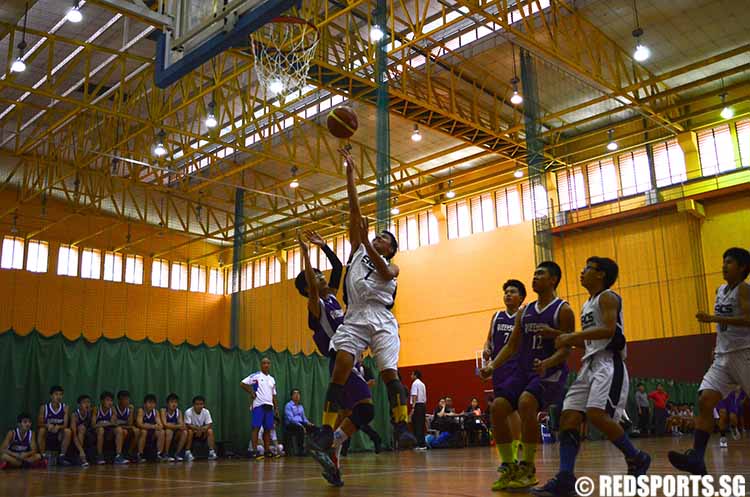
pixel 342 122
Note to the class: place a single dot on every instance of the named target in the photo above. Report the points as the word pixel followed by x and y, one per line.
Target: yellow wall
pixel 95 308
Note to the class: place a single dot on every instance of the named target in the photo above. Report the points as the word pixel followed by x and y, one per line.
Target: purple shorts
pixel 547 391
pixel 356 388
pixel 728 404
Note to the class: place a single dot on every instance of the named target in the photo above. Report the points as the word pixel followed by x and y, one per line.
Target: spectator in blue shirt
pixel 295 423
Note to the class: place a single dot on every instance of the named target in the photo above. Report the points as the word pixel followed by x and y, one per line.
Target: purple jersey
pixel 52 416
pixel 501 328
pixel 173 418
pixel 104 416
pixel 331 317
pixel 122 416
pixel 533 345
pixel 82 419
pixel 149 417
pixel 20 444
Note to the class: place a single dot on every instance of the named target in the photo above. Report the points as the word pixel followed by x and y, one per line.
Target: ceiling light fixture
pixel 19 65
pixel 376 33
pixel 295 182
pixel 450 193
pixel 612 144
pixel 159 149
pixel 726 111
pixel 518 173
pixel 641 52
pixel 211 121
pixel 276 86
pixel 416 136
pixel 74 15
pixel 516 98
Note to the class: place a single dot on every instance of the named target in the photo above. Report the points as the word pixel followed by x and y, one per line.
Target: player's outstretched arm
pixel 336 267
pixel 313 296
pixel 743 320
pixel 355 213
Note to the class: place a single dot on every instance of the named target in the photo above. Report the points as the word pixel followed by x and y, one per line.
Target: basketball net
pixel 282 50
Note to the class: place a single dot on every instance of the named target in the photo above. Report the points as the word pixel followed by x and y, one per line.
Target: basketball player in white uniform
pixel 369 292
pixel 731 364
pixel 600 391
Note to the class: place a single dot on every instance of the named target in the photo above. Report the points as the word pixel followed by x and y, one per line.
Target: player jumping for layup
pixel 370 290
pixel 731 364
pixel 601 390
pixel 539 379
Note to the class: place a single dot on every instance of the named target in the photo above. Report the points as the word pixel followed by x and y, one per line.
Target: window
pixel 669 164
pixel 536 207
pixel 12 257
pixel 67 260
pixel 429 233
pixel 91 263
pixel 459 220
pixel 112 266
pixel 274 270
pixel 36 257
pixel 323 262
pixel 508 205
pixel 571 189
pixel 602 181
pixel 134 269
pixel 160 273
pixel 216 281
pixel 293 263
pixel 743 140
pixel 343 248
pixel 635 173
pixel 179 276
pixel 197 278
pixel 716 150
pixel 260 272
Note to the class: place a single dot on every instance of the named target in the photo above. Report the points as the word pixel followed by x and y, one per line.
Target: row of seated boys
pixel 168 431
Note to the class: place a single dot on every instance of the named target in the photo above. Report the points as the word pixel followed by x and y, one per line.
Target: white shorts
pixel 376 328
pixel 728 370
pixel 602 383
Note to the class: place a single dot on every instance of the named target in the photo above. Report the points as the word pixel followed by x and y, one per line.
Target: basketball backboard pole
pixel 229 28
pixel 137 10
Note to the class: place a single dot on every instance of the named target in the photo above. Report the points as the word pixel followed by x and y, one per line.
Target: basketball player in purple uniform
pixel 731 364
pixel 324 317
pixel 125 419
pixel 149 424
pixel 19 448
pixel 600 391
pixel 501 327
pixel 174 427
pixel 540 375
pixel 80 422
pixel 53 424
pixel 103 421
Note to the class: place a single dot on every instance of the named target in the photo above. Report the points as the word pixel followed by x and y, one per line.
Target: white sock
pixel 339 437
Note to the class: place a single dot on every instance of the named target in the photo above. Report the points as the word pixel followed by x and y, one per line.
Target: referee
pixel 418 403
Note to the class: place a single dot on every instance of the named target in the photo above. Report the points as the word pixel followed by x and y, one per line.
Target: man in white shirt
pixel 262 389
pixel 418 406
pixel 200 426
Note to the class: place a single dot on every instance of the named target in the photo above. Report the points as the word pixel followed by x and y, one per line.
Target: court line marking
pixel 111 476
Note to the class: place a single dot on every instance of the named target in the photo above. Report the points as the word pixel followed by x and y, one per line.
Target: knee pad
pixel 362 414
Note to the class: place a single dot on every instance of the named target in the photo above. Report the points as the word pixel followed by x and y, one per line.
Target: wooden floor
pixel 453 473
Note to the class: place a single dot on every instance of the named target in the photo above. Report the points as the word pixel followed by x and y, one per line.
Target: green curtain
pixel 30 364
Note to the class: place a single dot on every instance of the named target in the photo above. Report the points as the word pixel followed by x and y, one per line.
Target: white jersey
pixel 730 337
pixel 591 317
pixel 364 285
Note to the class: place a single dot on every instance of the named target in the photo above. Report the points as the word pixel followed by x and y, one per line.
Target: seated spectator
pixel 148 422
pixel 473 422
pixel 296 423
pixel 53 425
pixel 103 421
pixel 275 448
pixel 688 420
pixel 18 449
pixel 445 417
pixel 174 427
pixel 673 419
pixel 80 424
pixel 200 427
pixel 125 419
pixel 440 408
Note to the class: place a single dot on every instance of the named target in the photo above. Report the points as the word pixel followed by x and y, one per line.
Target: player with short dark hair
pixel 52 423
pixel 125 419
pixel 540 376
pixel 104 423
pixel 80 423
pixel 174 427
pixel 501 327
pixel 600 392
pixel 731 365
pixel 148 422
pixel 19 446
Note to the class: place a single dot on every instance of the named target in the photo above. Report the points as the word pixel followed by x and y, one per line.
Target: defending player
pixel 539 379
pixel 53 424
pixel 731 364
pixel 600 391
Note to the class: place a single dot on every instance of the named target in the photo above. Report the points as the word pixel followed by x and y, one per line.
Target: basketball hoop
pixel 282 50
